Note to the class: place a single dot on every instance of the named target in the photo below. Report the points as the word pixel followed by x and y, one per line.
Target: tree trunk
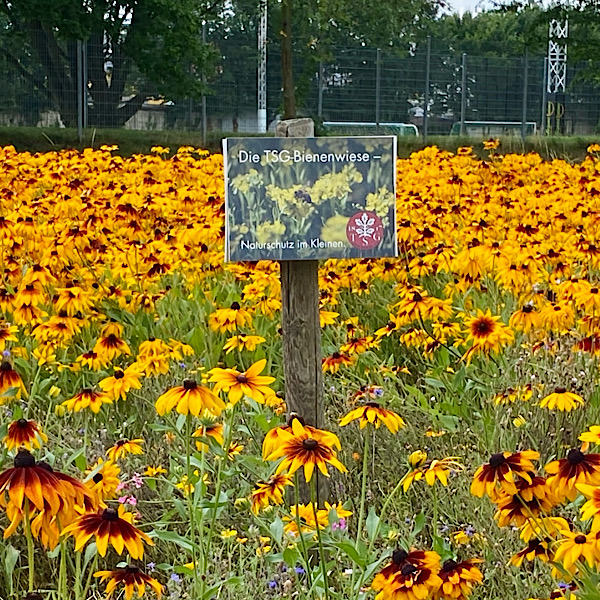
pixel 287 73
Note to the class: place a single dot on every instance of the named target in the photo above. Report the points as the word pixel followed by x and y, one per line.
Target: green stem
pixel 300 535
pixel 30 548
pixel 62 572
pixel 78 576
pixel 218 485
pixel 363 494
pixel 320 541
pixel 190 495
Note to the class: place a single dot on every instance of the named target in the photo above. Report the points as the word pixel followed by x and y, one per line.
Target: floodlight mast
pixel 262 68
pixel 556 81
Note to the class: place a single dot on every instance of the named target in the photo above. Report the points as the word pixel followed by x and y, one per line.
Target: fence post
pixel 321 89
pixel 80 93
pixel 377 86
pixel 203 94
pixel 525 84
pixel 427 83
pixel 463 94
pixel 544 97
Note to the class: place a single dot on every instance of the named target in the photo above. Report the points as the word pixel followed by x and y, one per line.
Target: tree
pixel 135 49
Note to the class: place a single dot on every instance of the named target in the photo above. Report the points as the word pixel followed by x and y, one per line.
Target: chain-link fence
pixel 75 84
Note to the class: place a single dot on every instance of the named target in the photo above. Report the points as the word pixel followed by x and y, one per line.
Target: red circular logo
pixel 364 230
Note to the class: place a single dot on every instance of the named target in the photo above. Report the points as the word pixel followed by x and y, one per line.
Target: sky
pixel 461 6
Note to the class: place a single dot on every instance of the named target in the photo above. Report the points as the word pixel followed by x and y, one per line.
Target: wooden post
pixel 301 329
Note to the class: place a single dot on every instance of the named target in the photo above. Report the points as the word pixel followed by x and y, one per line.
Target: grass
pixel 36 139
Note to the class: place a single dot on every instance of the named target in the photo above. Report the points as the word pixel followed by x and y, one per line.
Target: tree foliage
pixel 135 49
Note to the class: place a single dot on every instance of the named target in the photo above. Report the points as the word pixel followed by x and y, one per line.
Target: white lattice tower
pixel 557 56
pixel 262 68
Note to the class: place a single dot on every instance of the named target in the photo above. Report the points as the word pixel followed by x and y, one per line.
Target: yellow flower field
pixel 147 449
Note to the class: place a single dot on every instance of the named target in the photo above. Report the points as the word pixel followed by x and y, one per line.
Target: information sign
pixel 310 198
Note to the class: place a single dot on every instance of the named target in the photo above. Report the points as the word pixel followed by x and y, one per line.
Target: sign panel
pixel 310 198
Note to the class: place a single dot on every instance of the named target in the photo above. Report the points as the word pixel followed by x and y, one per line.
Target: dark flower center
pixel 44 465
pixel 449 565
pixel 373 404
pixel 119 443
pixel 528 308
pixel 110 514
pixel 295 416
pixel 560 390
pixel 482 327
pixel 235 306
pixel 496 460
pixel 309 444
pixel 5 366
pixel 241 378
pixel 87 391
pixel 24 459
pixel 399 556
pixel 97 478
pixel 408 569
pixel 22 423
pixel 575 456
pixel 417 297
pixel 119 375
pixel 151 339
pixel 189 384
pixel 594 290
pixel 580 539
pixel 132 569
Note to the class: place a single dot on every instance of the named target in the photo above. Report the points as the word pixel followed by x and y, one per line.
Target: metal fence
pixel 439 93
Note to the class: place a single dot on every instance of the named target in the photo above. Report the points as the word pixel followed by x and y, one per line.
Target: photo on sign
pixel 310 198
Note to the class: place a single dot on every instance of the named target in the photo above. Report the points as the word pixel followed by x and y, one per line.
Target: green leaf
pixel 291 556
pixel 350 551
pixel 175 538
pixel 372 524
pixel 276 529
pixel 90 552
pixel 435 383
pixel 11 556
pixel 419 524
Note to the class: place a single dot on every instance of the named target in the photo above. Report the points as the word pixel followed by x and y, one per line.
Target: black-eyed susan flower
pixel 10 380
pixel 526 319
pixel 501 472
pixel 243 342
pixel 577 468
pixel 132 578
pixel 335 361
pixel 562 400
pixel 103 479
pixel 26 485
pixel 534 498
pixel 109 526
pixel 209 428
pixel 25 433
pixel 375 414
pixel 409 576
pixel 577 547
pixel 124 447
pixel 536 548
pixel 249 383
pixel 458 579
pixel 310 519
pixel 229 319
pixel 189 398
pixel 87 398
pixel 266 493
pixel 121 382
pixel 7 334
pixel 487 333
pixel 307 448
pixel 110 347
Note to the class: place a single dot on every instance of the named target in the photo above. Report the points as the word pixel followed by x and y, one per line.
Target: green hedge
pixel 35 139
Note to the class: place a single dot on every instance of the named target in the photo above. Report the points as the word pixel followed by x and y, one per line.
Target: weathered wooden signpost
pixel 297 199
